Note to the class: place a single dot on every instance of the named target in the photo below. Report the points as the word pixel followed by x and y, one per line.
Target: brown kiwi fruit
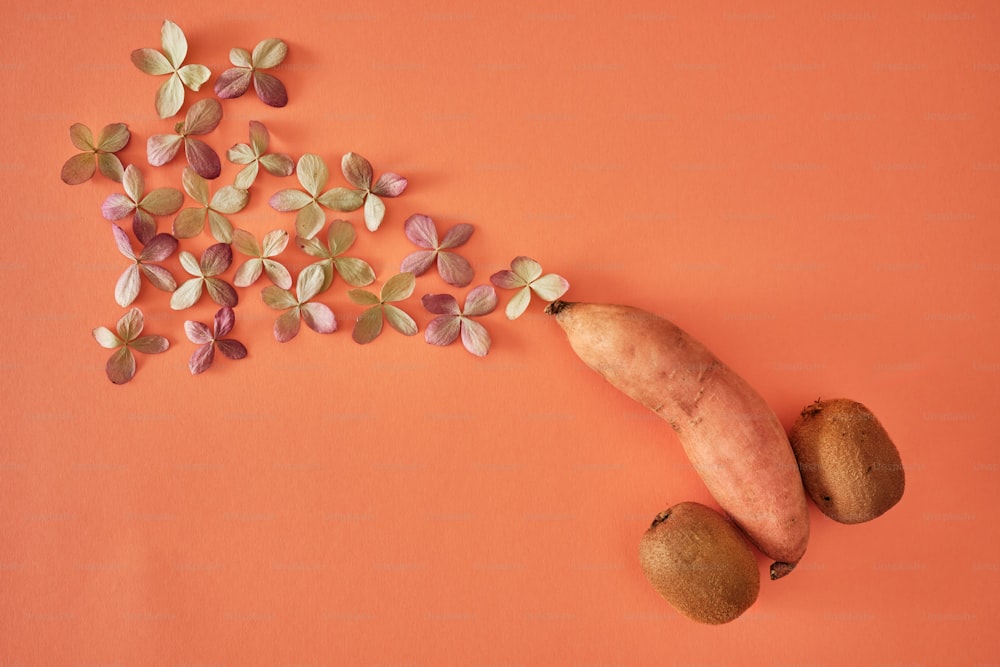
pixel 850 467
pixel 700 562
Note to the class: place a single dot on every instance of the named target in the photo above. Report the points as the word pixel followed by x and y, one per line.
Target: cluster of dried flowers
pixel 212 210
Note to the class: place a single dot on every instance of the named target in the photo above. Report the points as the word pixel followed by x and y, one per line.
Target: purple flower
pixel 209 339
pixel 452 321
pixel 453 268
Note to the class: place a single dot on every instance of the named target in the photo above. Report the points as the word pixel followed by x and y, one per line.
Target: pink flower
pixel 452 322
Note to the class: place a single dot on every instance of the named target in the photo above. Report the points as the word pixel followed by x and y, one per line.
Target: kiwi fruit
pixel 700 563
pixel 849 465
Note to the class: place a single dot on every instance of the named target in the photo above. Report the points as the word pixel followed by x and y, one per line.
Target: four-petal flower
pixel 452 321
pixel 253 156
pixel 313 175
pixel 260 258
pixel 525 275
pixel 161 201
pixel 96 155
pixel 121 366
pixel 358 172
pixel 226 200
pixel 454 269
pixel 369 324
pixel 203 117
pixel 235 81
pixel 170 96
pixel 317 316
pixel 215 260
pixel 208 339
pixel 158 249
pixel 339 237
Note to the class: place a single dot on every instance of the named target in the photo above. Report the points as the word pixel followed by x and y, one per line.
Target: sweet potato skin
pixel 731 436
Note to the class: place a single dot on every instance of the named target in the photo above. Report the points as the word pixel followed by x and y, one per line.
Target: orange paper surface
pixel 809 188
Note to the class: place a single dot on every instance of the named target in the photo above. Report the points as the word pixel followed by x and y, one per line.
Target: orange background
pixel 812 191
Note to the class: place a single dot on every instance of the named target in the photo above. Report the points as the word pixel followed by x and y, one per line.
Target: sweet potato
pixel 732 438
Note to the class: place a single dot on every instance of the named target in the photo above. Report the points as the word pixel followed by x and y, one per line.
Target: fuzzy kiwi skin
pixel 850 467
pixel 700 563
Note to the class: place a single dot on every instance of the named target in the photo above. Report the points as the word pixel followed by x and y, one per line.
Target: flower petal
pixel 169 97
pixel 527 268
pixel 233 82
pixel 289 200
pixel 269 89
pixel 550 287
pixel 197 332
pixel 248 272
pixel 399 320
pixel 203 116
pixel 246 243
pixel 280 276
pixel 421 231
pixel 278 164
pixel 454 269
pixel 78 169
pixel 341 199
pixel 122 241
pixel 278 298
pixel 259 137
pixel 202 157
pixel 318 317
pixel 194 185
pixel 229 199
pixel 309 283
pixel 113 138
pixel 189 223
pixel 189 262
pixel 363 297
pixel 224 321
pixel 269 53
pixel 143 226
pixel 110 166
pixel 174 43
pixel 151 344
pixel 309 220
pixel 274 243
pixel 194 76
pixel 313 247
pixel 441 304
pixel 159 277
pixel 127 287
pixel 368 325
pixel 187 294
pixel 355 272
pixel 389 185
pixel 151 61
pixel 201 359
pixel 475 338
pixel 133 183
pixel 233 349
pixel 374 212
pixel 246 176
pixel 240 57
pixel 480 300
pixel 121 366
pixel 357 170
pixel 107 338
pixel 219 225
pixel 457 235
pixel 518 303
pixel 340 236
pixel 507 279
pixel 443 330
pixel 241 154
pixel 286 327
pixel 418 262
pixel 162 201
pixel 221 292
pixel 82 137
pixel 130 324
pixel 162 148
pixel 398 287
pixel 312 173
pixel 216 259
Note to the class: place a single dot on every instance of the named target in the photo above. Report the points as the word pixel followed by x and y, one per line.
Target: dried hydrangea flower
pixel 226 201
pixel 170 96
pixel 261 255
pixel 208 339
pixel 96 155
pixel 369 324
pixel 317 316
pixel 203 117
pixel 454 269
pixel 313 175
pixel 525 275
pixel 358 172
pixel 142 208
pixel 452 321
pixel 267 54
pixel 253 155
pixel 158 249
pixel 121 365
pixel 214 261
pixel 340 236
